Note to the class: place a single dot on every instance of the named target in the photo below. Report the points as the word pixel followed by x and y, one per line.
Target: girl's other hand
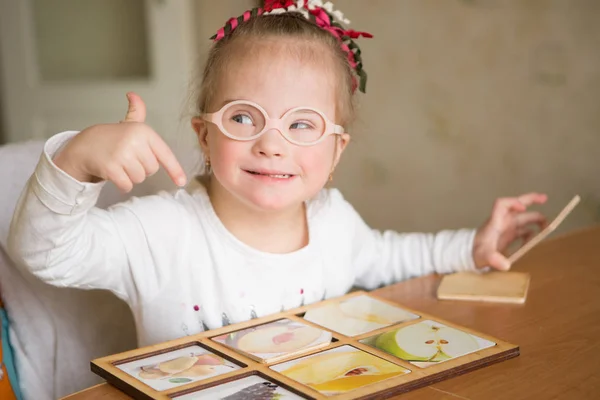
pixel 509 221
pixel 125 153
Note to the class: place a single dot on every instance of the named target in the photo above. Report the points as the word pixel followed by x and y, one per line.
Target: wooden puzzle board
pixel 371 359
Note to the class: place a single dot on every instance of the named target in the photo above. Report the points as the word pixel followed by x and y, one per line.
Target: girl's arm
pixel 59 235
pixel 385 257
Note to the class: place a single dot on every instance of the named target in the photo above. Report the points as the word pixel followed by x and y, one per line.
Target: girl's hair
pixel 289 25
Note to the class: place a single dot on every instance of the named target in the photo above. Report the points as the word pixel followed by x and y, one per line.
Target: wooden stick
pixel 546 231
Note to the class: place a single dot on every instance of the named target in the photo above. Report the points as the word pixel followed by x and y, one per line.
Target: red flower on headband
pixel 273 4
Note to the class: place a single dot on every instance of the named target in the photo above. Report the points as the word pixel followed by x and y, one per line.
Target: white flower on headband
pixel 312 3
pixel 328 6
pixel 276 11
pixel 339 16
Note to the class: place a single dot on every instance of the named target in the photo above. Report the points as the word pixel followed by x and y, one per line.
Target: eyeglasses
pixel 245 120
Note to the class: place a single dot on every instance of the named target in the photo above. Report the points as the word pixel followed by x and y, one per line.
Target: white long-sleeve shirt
pixel 181 271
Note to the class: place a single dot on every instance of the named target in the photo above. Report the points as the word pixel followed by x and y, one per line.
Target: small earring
pixel 331 177
pixel 207 166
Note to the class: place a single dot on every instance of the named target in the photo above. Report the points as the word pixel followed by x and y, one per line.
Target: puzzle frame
pixel 108 367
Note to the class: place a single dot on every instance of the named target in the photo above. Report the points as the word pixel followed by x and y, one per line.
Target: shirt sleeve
pixel 385 257
pixel 59 235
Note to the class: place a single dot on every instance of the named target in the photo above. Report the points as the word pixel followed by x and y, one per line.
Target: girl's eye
pixel 301 125
pixel 242 119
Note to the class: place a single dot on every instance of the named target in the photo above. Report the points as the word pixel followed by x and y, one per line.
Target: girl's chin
pixel 274 206
pixel 270 203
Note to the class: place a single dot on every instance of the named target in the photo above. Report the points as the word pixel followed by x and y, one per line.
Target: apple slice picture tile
pixel 249 388
pixel 427 343
pixel 358 315
pixel 339 370
pixel 179 367
pixel 275 339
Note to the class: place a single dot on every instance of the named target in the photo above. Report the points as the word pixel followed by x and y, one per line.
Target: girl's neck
pixel 279 232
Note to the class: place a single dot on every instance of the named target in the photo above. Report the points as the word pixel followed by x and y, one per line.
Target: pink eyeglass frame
pixel 272 123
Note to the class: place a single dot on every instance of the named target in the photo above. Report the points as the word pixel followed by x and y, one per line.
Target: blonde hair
pixel 290 25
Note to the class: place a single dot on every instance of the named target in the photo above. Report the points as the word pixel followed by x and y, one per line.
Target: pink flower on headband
pixel 322 14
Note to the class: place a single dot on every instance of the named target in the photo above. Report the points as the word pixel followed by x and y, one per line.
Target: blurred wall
pixel 113 47
pixel 469 100
pixel 2 128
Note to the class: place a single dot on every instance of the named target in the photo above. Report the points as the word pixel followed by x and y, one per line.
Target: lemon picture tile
pixel 357 315
pixel 339 370
pixel 427 343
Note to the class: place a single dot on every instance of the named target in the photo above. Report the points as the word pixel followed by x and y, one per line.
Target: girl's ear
pixel 340 145
pixel 201 130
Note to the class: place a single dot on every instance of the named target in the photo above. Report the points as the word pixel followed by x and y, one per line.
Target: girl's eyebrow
pixel 224 102
pixel 227 101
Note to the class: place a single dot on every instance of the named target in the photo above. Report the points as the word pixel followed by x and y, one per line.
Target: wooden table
pixel 557 329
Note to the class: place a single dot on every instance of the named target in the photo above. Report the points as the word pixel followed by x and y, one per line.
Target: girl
pixel 258 233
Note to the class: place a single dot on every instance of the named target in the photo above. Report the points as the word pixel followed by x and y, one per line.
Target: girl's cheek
pixel 319 159
pixel 220 162
pixel 226 150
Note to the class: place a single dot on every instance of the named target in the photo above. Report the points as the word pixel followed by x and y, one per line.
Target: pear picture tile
pixel 179 367
pixel 427 343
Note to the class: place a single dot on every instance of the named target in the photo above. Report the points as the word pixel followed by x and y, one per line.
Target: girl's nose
pixel 271 144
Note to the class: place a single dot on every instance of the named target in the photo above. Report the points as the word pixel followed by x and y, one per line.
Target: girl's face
pixel 270 173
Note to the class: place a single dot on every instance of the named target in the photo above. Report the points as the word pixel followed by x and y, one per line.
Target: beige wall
pixel 467 101
pixel 2 128
pixel 113 47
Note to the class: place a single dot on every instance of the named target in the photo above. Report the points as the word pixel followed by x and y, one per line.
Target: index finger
pixel 503 207
pixel 532 198
pixel 167 159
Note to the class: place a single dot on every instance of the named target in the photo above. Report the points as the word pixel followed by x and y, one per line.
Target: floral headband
pixel 323 15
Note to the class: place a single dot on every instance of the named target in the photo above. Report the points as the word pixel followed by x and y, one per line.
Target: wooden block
pixel 494 286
